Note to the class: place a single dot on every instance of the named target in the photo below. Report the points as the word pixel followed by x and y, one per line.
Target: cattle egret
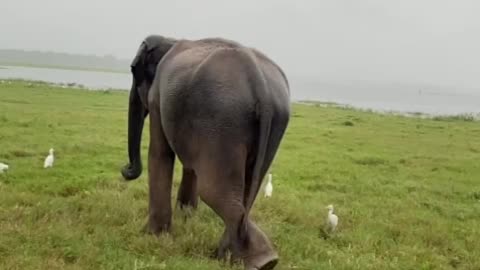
pixel 269 187
pixel 3 167
pixel 49 159
pixel 332 219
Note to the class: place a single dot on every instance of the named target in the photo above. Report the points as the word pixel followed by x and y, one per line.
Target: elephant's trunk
pixel 136 117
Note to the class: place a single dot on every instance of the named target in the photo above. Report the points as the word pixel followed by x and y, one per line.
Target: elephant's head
pixel 143 68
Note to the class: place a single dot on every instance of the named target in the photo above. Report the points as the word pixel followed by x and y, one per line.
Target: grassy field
pixel 406 190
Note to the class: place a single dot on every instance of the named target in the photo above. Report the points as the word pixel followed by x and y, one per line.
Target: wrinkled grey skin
pixel 222 109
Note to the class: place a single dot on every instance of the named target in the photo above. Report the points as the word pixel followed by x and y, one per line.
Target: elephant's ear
pixel 138 63
pixel 139 57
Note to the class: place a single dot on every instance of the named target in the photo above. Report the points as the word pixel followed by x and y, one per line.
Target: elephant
pixel 222 109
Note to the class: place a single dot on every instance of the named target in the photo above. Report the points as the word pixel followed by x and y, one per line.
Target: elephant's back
pixel 205 92
pixel 210 90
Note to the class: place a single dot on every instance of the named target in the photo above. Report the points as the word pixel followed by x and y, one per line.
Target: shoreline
pixel 6 65
pixel 471 116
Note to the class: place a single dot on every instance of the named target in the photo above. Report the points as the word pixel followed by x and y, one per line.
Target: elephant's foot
pixel 187 204
pixel 256 254
pixel 259 253
pixel 156 227
pixel 266 261
pixel 221 252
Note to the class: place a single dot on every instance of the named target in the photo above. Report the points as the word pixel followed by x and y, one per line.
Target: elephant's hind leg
pixel 221 180
pixel 187 193
pixel 160 170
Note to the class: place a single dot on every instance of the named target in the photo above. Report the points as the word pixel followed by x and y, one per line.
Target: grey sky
pixel 431 41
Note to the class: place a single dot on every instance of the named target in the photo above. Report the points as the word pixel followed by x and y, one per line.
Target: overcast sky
pixel 430 41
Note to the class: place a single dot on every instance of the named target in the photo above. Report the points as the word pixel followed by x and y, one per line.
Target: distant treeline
pixel 63 60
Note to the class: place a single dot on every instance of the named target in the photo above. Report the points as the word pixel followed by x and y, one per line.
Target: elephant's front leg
pixel 160 169
pixel 187 193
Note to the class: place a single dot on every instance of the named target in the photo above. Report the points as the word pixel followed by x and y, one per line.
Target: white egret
pixel 3 167
pixel 49 159
pixel 332 219
pixel 269 186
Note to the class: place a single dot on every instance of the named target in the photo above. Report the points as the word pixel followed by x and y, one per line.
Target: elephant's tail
pixel 264 113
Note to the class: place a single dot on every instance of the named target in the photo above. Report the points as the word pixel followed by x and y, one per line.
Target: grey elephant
pixel 222 108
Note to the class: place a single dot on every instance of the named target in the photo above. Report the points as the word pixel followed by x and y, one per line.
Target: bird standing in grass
pixel 332 219
pixel 3 167
pixel 49 159
pixel 269 186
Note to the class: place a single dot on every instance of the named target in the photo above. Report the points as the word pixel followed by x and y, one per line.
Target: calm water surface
pixel 395 97
pixel 90 79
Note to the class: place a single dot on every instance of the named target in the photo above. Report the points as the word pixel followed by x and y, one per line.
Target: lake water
pixel 90 79
pixel 368 95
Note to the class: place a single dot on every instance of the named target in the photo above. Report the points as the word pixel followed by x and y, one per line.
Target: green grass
pixel 406 190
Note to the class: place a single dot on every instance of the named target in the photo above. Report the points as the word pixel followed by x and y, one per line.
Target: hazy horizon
pixel 428 42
